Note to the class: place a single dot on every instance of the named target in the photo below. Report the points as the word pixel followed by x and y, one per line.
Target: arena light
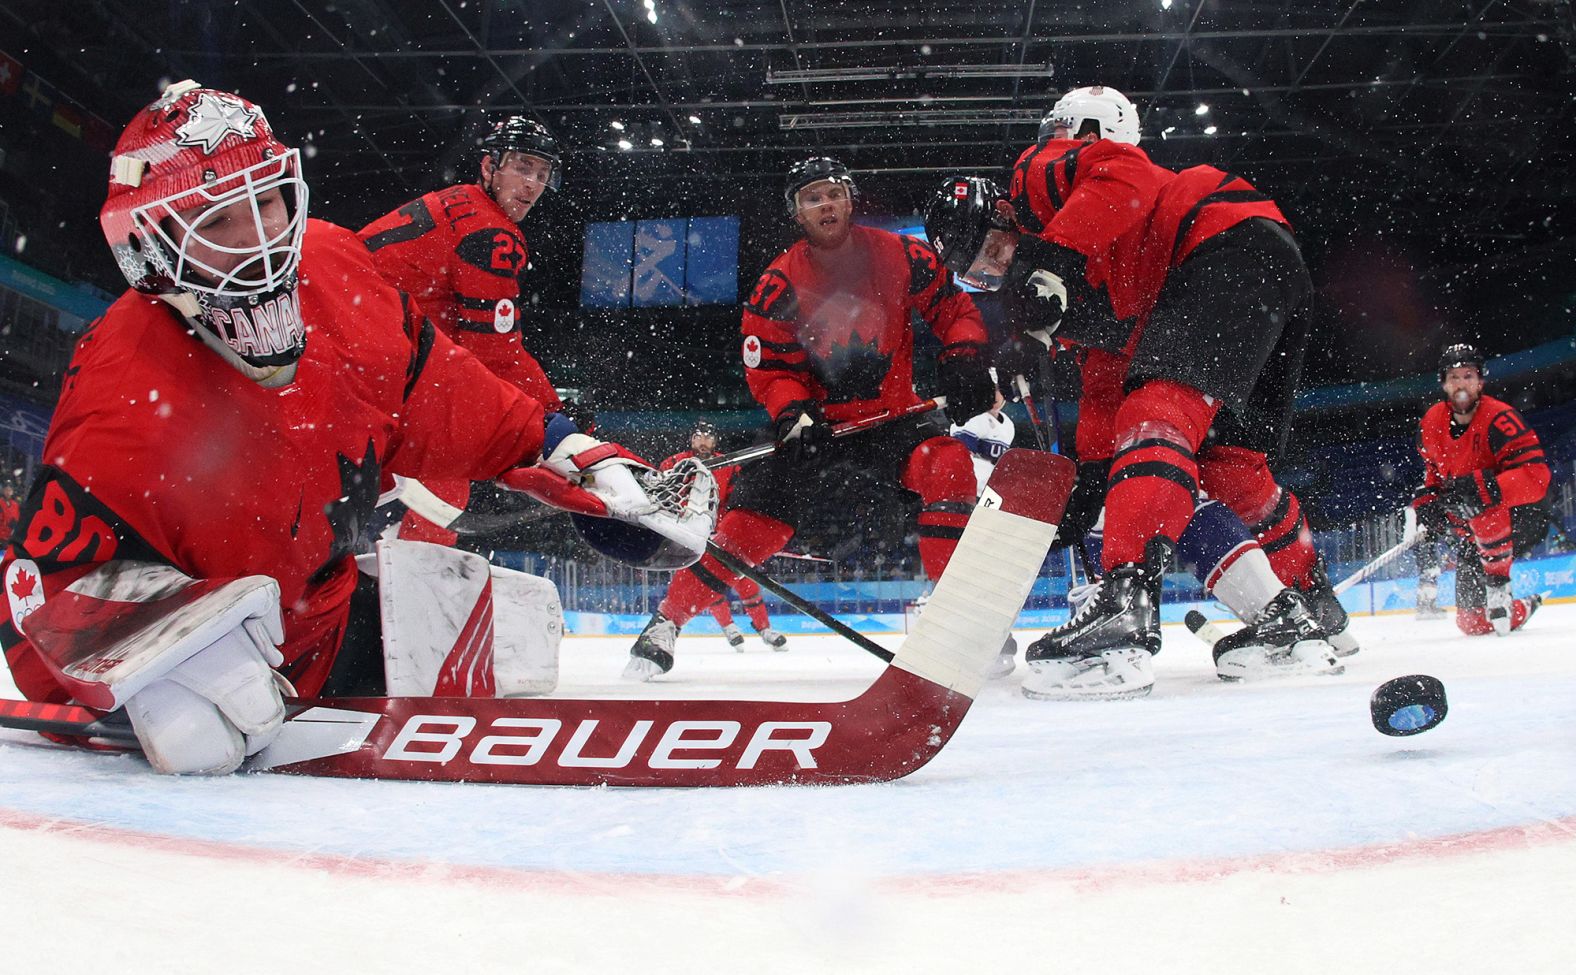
pixel 616 125
pixel 625 144
pixel 1202 109
pixel 800 76
pixel 916 117
pixel 1209 130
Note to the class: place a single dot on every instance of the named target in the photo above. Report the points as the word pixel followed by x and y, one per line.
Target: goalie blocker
pixel 900 723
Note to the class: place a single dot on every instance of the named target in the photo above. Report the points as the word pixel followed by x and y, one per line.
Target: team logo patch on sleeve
pixel 752 351
pixel 25 590
pixel 504 316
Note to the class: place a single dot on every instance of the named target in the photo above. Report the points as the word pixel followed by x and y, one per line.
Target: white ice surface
pixel 1209 827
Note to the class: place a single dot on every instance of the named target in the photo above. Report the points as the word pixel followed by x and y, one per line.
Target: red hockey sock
pixel 750 595
pixel 1154 475
pixel 942 474
pixel 1491 534
pixel 752 537
pixel 1240 479
pixel 722 612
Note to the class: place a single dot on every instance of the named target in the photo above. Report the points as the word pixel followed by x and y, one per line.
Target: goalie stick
pixel 418 498
pixel 896 726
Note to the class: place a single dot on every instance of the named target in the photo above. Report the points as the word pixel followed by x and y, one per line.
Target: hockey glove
pixel 1018 356
pixel 1430 511
pixel 1472 494
pixel 966 382
pixel 1085 502
pixel 802 434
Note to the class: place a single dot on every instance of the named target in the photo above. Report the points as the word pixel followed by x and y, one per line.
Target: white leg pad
pixel 529 624
pixel 436 606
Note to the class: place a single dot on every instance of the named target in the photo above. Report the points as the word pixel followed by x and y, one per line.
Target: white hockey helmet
pixel 1107 107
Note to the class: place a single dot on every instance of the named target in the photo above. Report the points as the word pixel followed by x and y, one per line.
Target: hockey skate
pixel 1285 640
pixel 774 639
pixel 735 636
pixel 1005 661
pixel 1497 604
pixel 1104 651
pixel 1428 596
pixel 652 654
pixel 1326 607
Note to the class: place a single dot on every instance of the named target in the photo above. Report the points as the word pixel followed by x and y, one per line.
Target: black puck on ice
pixel 1408 705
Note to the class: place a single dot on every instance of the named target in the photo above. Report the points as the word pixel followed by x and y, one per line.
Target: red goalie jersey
pixel 844 339
pixel 159 451
pixel 460 256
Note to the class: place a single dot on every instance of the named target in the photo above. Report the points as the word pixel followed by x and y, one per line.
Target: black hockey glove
pixel 1084 504
pixel 1018 356
pixel 965 382
pixel 801 443
pixel 1430 511
pixel 1472 494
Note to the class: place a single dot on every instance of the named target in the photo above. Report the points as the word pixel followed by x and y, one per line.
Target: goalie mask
pixel 207 209
pixel 971 235
pixel 1113 116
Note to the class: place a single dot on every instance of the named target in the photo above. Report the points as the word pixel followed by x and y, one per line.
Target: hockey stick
pixel 1035 423
pixel 797 601
pixel 419 499
pixel 896 726
pixel 1409 538
pixel 839 430
pixel 1202 628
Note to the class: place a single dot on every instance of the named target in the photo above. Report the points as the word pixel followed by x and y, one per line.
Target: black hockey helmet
pixel 960 216
pixel 520 134
pixel 1461 354
pixel 704 428
pixel 814 170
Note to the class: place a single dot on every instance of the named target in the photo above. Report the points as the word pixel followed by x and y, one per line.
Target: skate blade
pixel 1068 694
pixel 639 670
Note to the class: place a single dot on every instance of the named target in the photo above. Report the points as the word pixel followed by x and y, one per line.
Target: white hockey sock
pixel 1248 584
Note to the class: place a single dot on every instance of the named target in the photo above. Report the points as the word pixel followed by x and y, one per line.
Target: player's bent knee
pixel 1166 410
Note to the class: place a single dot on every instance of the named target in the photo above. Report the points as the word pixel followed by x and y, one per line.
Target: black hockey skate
pixel 652 653
pixel 1285 640
pixel 1104 651
pixel 1326 606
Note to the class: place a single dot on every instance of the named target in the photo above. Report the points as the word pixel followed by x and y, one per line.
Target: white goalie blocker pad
pixel 190 660
pixel 455 625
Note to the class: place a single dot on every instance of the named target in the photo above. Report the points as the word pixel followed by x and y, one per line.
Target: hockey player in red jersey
pixel 223 428
pixel 828 337
pixel 1161 272
pixel 703 447
pixel 459 252
pixel 1485 490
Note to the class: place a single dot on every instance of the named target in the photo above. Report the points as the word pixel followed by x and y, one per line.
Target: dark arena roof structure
pixel 1423 149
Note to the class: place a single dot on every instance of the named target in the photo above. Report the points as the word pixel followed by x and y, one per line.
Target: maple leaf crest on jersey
pixel 215 117
pixel 22 588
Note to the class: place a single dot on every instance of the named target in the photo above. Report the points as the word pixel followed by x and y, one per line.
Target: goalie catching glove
pixel 622 507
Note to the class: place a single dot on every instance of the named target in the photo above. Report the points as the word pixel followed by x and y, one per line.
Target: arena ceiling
pixel 1465 103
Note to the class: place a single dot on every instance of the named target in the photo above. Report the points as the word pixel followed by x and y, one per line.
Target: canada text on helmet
pixel 814 170
pixel 1113 115
pixel 520 134
pixel 207 208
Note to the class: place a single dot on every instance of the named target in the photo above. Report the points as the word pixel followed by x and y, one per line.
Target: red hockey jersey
pixel 160 451
pixel 1131 220
pixel 1497 441
pixel 843 337
pixel 460 256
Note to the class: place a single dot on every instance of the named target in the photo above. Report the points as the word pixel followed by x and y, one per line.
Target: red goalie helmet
pixel 196 186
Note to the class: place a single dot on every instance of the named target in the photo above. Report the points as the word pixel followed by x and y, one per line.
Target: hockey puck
pixel 1408 705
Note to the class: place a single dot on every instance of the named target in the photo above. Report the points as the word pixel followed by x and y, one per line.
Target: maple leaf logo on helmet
pixel 215 117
